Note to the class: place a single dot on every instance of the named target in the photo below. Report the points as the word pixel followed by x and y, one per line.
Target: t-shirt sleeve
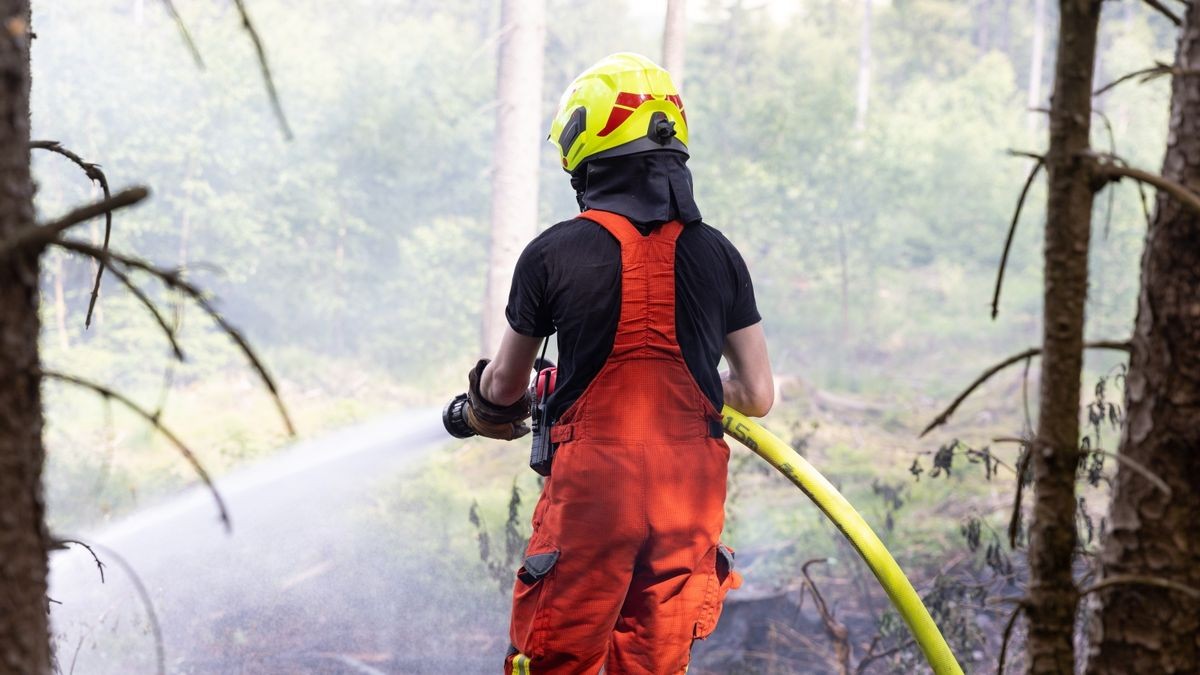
pixel 743 310
pixel 527 311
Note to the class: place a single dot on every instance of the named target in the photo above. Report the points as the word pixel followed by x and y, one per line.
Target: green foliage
pixel 872 249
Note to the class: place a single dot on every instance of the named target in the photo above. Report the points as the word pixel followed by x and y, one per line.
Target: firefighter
pixel 625 568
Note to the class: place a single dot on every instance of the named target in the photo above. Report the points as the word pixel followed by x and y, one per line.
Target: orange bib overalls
pixel 624 569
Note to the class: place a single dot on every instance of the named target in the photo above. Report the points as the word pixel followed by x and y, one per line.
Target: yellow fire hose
pixel 781 456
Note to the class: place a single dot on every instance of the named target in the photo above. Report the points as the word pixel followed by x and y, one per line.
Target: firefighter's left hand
pixel 485 418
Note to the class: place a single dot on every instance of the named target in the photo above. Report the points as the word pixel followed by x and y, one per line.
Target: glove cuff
pixel 487 411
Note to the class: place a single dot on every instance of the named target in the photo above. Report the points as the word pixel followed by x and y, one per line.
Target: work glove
pixel 505 423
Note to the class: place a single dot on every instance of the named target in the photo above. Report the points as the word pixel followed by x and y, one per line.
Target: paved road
pixel 293 589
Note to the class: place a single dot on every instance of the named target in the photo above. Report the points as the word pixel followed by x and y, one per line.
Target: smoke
pixel 308 581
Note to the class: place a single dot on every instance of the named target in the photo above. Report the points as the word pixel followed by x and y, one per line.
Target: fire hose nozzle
pixel 454 417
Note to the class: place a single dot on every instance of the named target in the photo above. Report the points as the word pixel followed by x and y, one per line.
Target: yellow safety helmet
pixel 624 104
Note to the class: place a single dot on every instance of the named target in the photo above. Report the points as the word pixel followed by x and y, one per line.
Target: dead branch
pixel 1039 162
pixel 987 374
pixel 184 33
pixel 38 236
pixel 166 328
pixel 147 603
pixel 1159 69
pixel 836 629
pixel 266 69
pixel 174 280
pixel 99 565
pixel 1165 11
pixel 1115 172
pixel 872 657
pixel 1133 464
pixel 92 171
pixel 110 394
pixel 1014 521
pixel 1008 629
pixel 1137 579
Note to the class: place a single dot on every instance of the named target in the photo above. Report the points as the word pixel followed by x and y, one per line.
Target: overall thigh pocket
pixel 530 592
pixel 720 578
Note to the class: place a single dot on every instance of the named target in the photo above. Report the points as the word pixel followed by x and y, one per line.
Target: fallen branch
pixel 836 629
pixel 266 69
pixel 1137 579
pixel 184 33
pixel 871 656
pixel 93 172
pixel 1115 172
pixel 110 394
pixel 987 374
pixel 1012 230
pixel 38 236
pixel 1133 464
pixel 1165 11
pixel 176 281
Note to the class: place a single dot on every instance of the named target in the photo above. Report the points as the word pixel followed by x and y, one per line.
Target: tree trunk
pixel 863 98
pixel 24 634
pixel 1052 598
pixel 1137 628
pixel 514 153
pixel 674 40
pixel 1036 54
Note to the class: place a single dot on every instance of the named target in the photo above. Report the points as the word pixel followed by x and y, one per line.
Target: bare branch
pixel 92 171
pixel 873 657
pixel 1133 464
pixel 1157 70
pixel 38 236
pixel 1165 11
pixel 836 629
pixel 167 329
pixel 1115 172
pixel 151 615
pixel 1014 521
pixel 99 565
pixel 1012 230
pixel 266 69
pixel 1137 579
pixel 987 374
pixel 1008 629
pixel 110 394
pixel 176 281
pixel 184 33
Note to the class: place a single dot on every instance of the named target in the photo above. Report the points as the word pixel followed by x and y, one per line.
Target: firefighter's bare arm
pixel 506 378
pixel 749 386
pixel 497 400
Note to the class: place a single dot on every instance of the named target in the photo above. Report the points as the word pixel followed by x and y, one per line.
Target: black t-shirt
pixel 568 279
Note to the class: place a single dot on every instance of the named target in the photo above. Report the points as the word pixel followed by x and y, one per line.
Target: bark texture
pixel 24 635
pixel 1138 628
pixel 1053 597
pixel 674 40
pixel 518 138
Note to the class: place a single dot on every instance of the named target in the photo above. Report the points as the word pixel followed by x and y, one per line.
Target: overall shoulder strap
pixel 616 224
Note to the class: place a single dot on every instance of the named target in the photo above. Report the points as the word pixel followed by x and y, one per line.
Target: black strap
pixel 715 428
